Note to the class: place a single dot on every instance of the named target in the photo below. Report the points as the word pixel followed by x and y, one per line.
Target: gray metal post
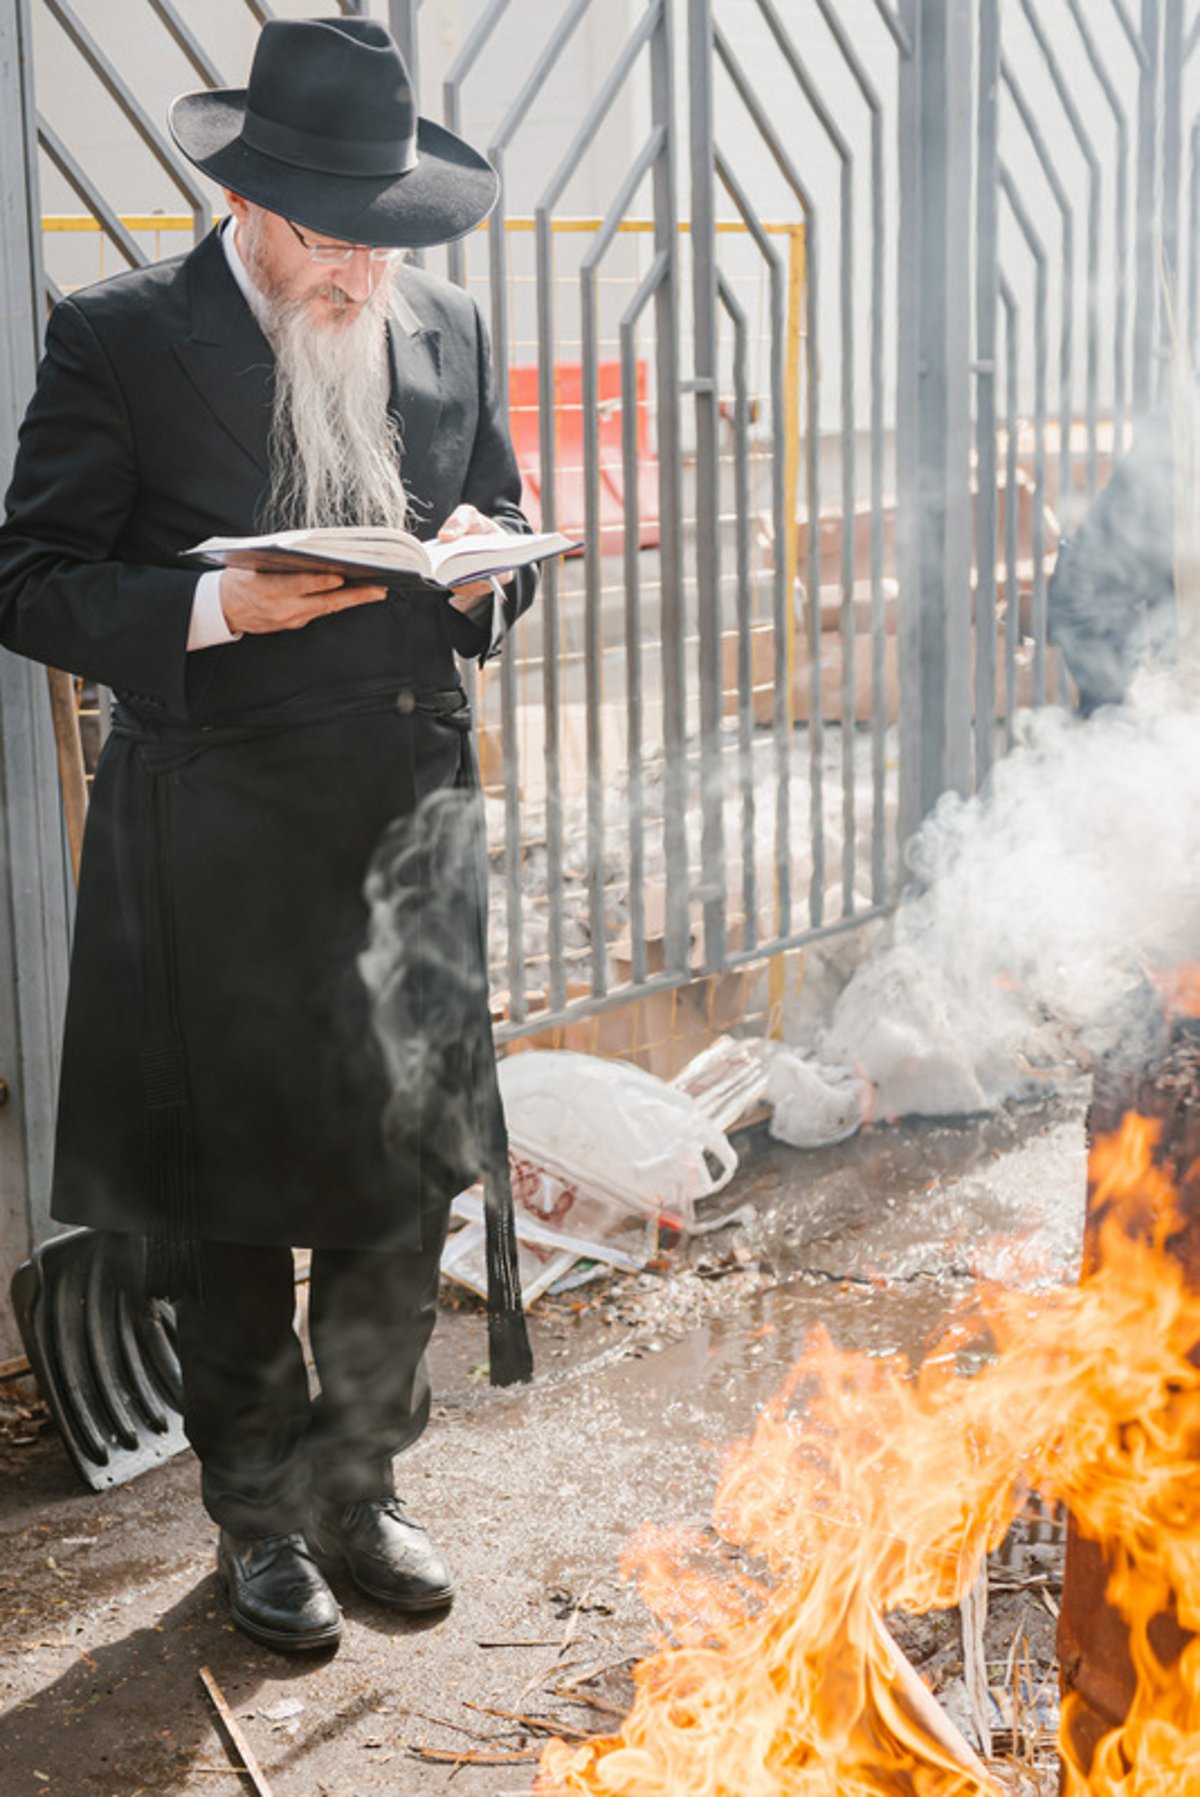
pixel 934 403
pixel 33 875
pixel 402 19
pixel 986 311
pixel 708 545
pixel 1172 172
pixel 953 461
pixel 1145 269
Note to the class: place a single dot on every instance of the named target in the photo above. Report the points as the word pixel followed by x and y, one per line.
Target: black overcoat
pixel 221 913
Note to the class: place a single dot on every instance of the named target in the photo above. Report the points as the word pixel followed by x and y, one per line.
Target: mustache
pixel 339 299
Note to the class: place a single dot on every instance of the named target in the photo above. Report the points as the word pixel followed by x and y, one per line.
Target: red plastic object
pixel 523 399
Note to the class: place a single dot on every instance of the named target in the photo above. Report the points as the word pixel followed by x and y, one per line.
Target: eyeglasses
pixel 337 255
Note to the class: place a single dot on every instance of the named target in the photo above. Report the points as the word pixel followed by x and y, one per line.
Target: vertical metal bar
pixel 1193 243
pixel 707 463
pixel 745 648
pixel 1037 251
pixel 513 832
pixel 935 112
pixel 933 404
pixel 784 461
pixel 911 807
pixel 1121 249
pixel 986 277
pixel 1092 376
pixel 1040 364
pixel 785 585
pixel 513 835
pixel 1012 600
pixel 879 719
pixel 879 701
pixel 1121 358
pixel 956 349
pixel 634 684
pixel 849 705
pixel 34 876
pixel 452 87
pixel 842 146
pixel 1037 138
pixel 551 674
pixel 1145 273
pixel 592 643
pixel 402 19
pixel 1172 169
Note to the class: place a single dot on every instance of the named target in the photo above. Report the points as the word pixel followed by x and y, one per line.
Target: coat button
pixel 406 701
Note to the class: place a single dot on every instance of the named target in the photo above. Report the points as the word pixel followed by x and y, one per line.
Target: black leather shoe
pixel 388 1556
pixel 277 1593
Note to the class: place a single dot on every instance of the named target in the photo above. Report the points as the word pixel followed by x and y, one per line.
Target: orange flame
pixel 867 1486
pixel 1179 988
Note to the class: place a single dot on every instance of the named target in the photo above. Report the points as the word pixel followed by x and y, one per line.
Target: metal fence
pixel 821 320
pixel 1082 252
pixel 688 743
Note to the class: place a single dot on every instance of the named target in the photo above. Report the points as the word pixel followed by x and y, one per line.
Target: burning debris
pixel 869 1487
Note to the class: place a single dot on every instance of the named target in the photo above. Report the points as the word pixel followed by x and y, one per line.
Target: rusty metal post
pixel 1095 1665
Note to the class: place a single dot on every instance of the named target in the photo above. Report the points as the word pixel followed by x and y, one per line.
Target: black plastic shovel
pixel 103 1354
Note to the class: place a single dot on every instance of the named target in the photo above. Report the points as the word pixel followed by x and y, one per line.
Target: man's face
pixel 276 254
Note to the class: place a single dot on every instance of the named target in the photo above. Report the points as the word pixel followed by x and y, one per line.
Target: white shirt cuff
pixel 208 628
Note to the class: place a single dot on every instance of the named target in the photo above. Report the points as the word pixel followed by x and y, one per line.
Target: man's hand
pixel 257 603
pixel 468 521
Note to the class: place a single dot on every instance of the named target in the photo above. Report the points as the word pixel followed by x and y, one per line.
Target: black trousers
pixel 268 1451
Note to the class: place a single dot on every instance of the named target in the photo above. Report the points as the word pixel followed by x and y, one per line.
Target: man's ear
pixel 236 204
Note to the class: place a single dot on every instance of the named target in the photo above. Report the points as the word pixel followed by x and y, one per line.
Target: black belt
pixel 177 738
pixel 173 1268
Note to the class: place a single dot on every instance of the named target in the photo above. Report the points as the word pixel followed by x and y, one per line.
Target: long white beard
pixel 335 450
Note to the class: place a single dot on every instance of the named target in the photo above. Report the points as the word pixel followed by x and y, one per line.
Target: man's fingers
pixel 463 521
pixel 261 602
pixel 355 595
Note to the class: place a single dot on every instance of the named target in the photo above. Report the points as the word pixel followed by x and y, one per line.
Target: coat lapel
pixel 416 397
pixel 225 355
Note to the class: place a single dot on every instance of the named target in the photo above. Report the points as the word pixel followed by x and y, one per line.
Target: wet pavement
pixel 109 1606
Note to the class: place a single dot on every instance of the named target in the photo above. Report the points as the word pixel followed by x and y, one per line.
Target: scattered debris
pixel 600 1143
pixel 813 1106
pixel 727 1080
pixel 234 1736
pixel 925 1711
pixel 443 1756
pixel 973 1613
pixel 537 1724
pixel 284 1710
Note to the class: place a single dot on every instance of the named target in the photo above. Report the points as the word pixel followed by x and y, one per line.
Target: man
pixel 222 1093
pixel 1111 599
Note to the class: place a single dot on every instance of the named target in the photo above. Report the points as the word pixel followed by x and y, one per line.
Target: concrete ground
pixel 109 1605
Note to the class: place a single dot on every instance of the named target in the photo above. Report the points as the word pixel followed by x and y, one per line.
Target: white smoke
pixel 1038 905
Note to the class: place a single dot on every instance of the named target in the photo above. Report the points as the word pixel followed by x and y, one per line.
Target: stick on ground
pixel 234 1736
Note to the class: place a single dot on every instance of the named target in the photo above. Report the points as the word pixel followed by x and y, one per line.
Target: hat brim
pixel 449 192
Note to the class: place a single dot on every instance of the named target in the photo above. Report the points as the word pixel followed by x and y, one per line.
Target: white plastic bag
pixel 596 1143
pixel 812 1106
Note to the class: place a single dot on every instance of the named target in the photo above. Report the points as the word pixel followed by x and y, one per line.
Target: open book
pixel 390 554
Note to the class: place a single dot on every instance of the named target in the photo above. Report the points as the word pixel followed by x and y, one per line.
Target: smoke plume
pixel 1036 907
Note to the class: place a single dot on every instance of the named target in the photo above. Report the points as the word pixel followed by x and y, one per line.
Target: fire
pixel 1179 988
pixel 869 1486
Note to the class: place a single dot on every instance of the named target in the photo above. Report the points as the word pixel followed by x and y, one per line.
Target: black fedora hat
pixel 327 134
